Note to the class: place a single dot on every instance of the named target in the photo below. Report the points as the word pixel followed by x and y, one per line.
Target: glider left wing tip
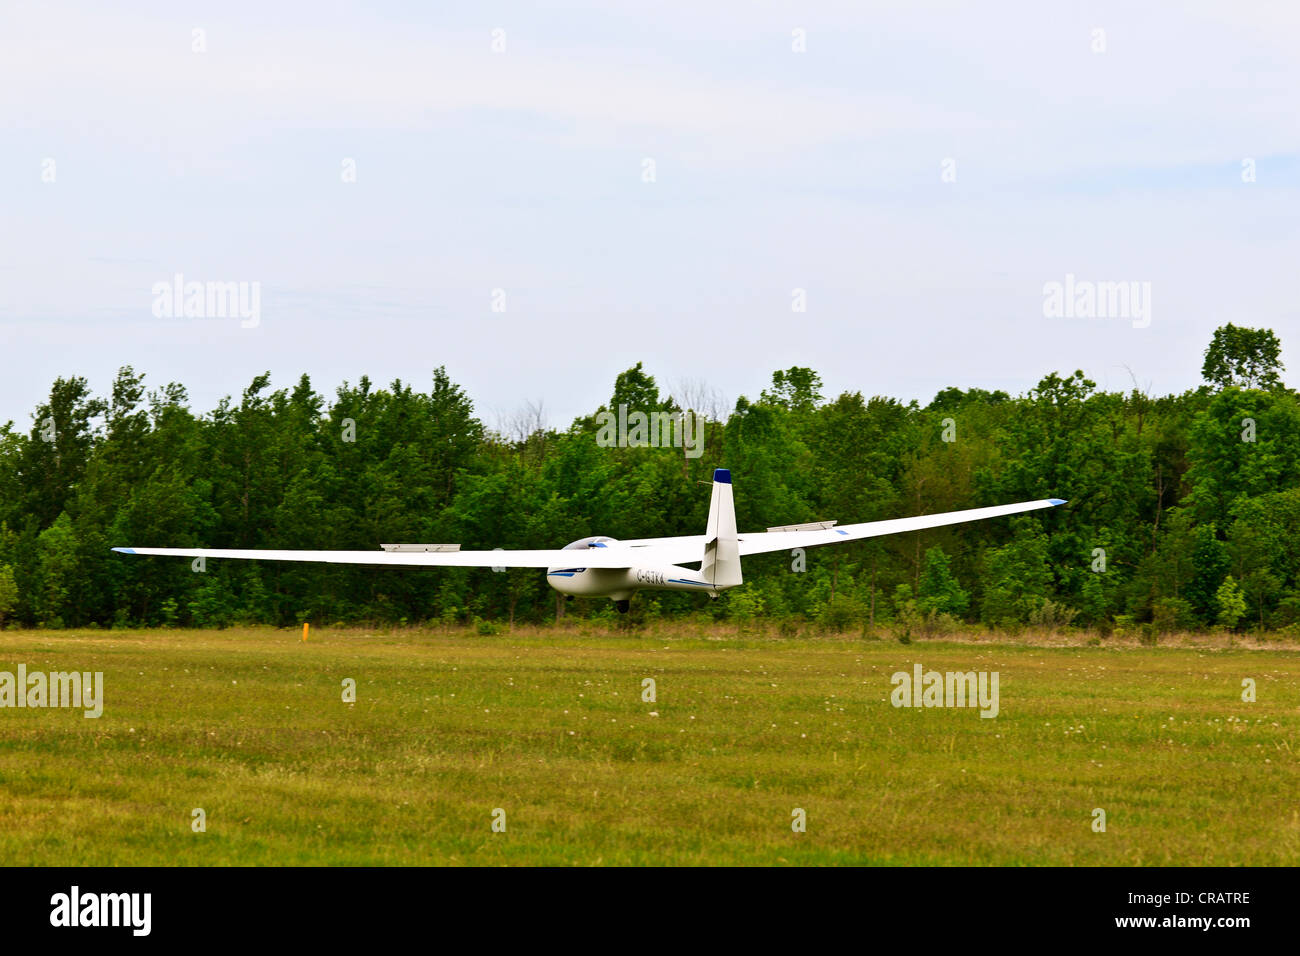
pixel 1057 501
pixel 125 550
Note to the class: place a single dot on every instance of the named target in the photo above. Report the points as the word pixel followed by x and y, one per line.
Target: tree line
pixel 1183 513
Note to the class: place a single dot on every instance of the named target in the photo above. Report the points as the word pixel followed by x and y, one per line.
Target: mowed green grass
pixel 550 727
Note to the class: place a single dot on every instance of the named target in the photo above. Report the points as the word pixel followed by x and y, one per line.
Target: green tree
pixel 1231 603
pixel 1244 358
pixel 1095 602
pixel 56 571
pixel 1017 577
pixel 212 604
pixel 1241 444
pixel 8 593
pixel 1209 568
pixel 797 389
pixel 636 389
pixel 64 432
pixel 940 593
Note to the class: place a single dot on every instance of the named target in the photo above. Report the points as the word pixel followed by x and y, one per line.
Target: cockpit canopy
pixel 595 541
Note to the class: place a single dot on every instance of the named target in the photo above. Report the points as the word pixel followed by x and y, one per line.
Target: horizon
pixel 496 419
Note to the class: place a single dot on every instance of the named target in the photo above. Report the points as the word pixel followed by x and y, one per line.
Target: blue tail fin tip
pixel 723 475
pixel 1057 501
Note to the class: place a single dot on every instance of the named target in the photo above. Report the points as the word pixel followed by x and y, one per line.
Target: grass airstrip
pixel 549 734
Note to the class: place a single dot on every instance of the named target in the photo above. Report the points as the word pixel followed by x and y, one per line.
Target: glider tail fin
pixel 721 565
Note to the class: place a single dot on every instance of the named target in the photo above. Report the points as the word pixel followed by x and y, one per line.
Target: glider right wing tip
pixel 1057 501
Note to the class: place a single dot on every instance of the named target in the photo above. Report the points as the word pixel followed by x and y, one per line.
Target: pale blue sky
pixel 522 170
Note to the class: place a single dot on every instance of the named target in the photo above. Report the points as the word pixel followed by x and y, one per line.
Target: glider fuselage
pixel 619 583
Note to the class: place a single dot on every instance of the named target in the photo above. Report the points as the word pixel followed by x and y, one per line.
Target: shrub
pixel 1052 615
pixel 842 614
pixel 1172 614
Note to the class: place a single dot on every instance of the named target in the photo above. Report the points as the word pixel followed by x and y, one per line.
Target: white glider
pixel 600 566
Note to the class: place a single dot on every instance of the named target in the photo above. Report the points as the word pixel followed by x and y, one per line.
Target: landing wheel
pixel 622 606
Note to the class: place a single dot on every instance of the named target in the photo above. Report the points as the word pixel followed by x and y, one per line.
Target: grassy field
pixel 549 726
